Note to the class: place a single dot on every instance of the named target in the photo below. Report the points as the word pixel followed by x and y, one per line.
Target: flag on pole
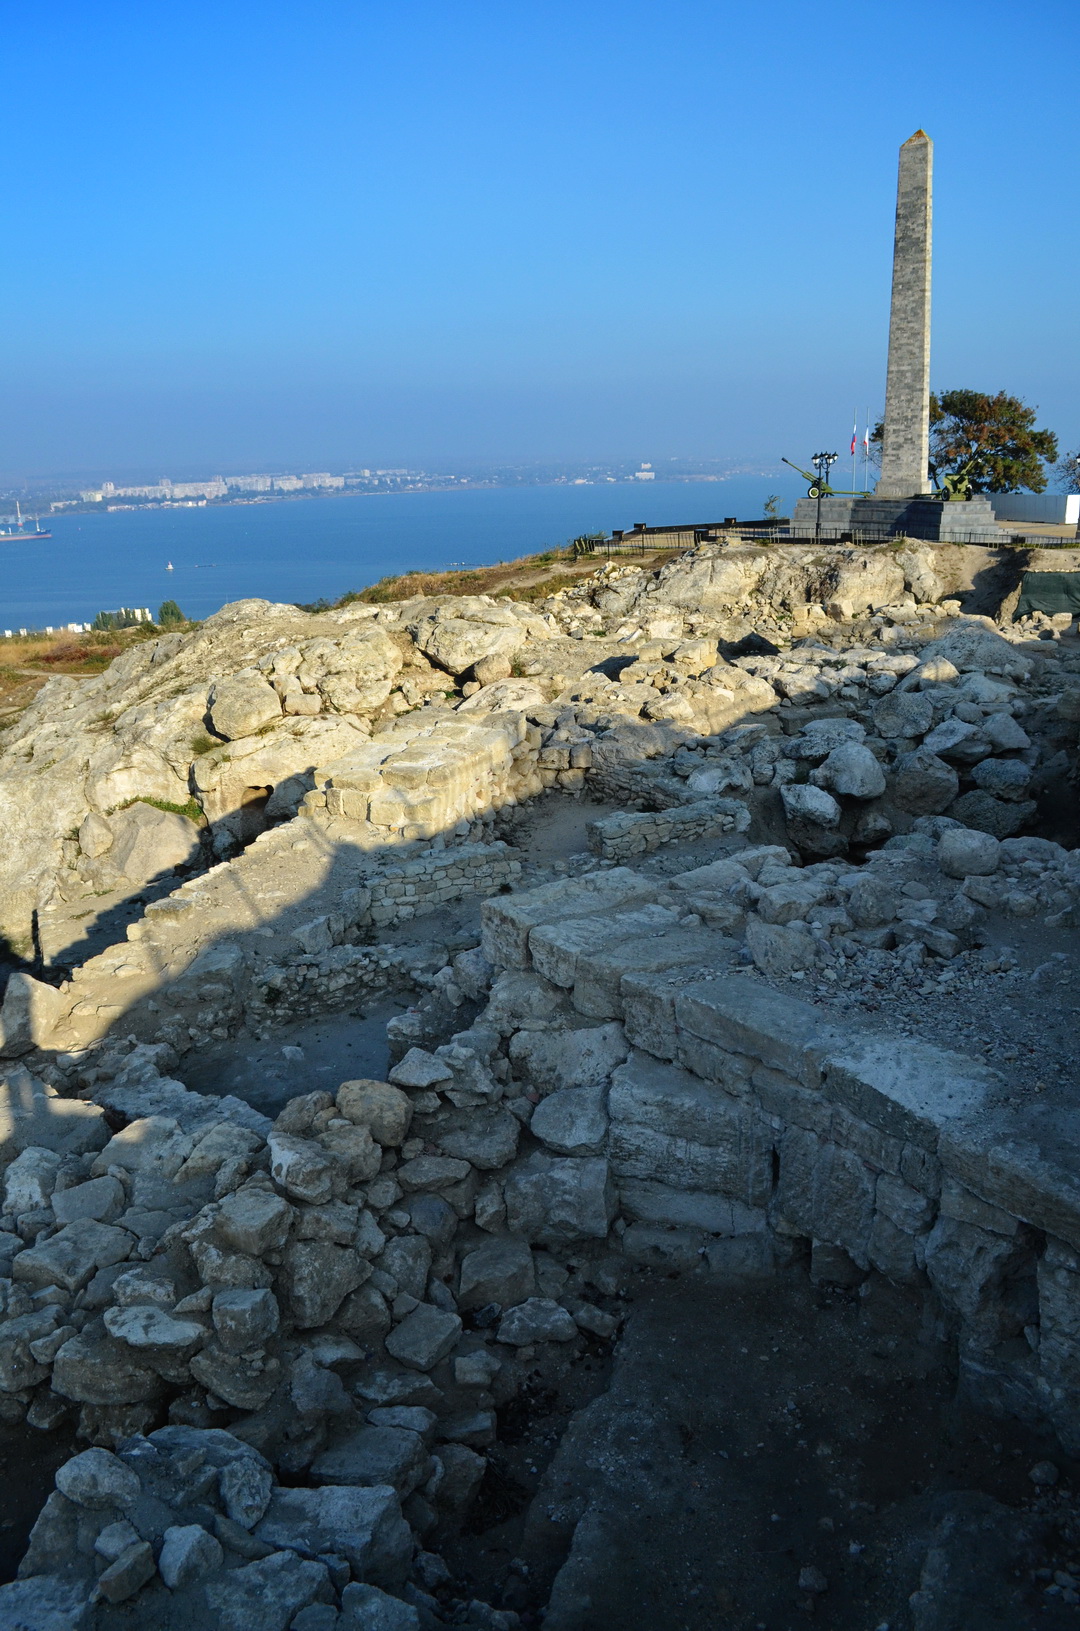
pixel 866 438
pixel 854 439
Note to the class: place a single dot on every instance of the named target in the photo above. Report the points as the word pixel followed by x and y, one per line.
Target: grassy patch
pixel 192 809
pixel 202 743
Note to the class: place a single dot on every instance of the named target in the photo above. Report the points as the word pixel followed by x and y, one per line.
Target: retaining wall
pixel 743 1124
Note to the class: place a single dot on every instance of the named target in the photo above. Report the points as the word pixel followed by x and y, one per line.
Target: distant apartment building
pixel 646 473
pixel 248 484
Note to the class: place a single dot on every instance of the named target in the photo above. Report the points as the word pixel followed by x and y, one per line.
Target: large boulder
pixel 851 771
pixel 148 842
pixel 243 704
pixel 458 643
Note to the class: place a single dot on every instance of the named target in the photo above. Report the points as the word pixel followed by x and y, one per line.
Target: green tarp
pixel 1049 592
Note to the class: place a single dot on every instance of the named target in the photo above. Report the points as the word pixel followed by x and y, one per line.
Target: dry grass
pixel 529 578
pixel 27 661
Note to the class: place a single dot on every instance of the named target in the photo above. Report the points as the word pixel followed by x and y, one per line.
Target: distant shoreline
pixel 160 506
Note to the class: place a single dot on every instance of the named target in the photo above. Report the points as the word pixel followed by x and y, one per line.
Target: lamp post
pixel 822 463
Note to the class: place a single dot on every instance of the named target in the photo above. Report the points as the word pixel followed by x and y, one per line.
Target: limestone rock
pixel 187 1553
pixel 244 1318
pixel 99 1480
pixel 903 713
pixel 242 705
pixel 580 1058
pixel 963 853
pixel 316 1277
pixel 148 842
pixel 30 1010
pixel 254 1220
pixel 537 1320
pixel 851 771
pixel 924 784
pixel 364 1526
pixel 270 1592
pixel 982 810
pixel 1003 778
pixel 384 1109
pixel 375 1455
pixel 424 1337
pixel 551 1200
pixel 500 1271
pixel 366 1608
pixel 572 1120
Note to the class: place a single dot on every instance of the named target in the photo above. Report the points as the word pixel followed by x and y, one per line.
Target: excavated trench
pixel 745 1453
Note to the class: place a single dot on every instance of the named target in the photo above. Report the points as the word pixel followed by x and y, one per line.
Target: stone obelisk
pixel 906 450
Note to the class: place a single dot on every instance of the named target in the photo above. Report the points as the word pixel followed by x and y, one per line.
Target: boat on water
pixel 21 530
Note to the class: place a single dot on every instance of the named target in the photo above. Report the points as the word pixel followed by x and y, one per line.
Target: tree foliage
pixel 993 440
pixel 169 614
pixel 1067 472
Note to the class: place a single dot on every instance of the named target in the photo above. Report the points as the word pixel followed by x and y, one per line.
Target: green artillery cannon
pixel 819 486
pixel 954 487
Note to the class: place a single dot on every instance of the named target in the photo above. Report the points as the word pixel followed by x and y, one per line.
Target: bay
pixel 312 548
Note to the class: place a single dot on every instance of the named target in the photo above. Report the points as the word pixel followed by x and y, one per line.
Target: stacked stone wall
pixel 743 1127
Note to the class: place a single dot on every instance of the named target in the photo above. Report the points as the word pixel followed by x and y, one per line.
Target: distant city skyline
pixel 263 238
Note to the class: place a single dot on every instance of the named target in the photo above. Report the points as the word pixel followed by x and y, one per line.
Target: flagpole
pixel 854 444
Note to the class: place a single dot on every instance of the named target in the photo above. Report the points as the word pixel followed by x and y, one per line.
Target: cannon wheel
pixel 815 492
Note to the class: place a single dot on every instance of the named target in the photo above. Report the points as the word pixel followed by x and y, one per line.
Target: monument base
pixel 960 521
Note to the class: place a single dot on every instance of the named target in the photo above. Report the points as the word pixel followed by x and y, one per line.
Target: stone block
pixel 254 1220
pixel 1028 1166
pixel 28 1013
pixel 374 1456
pixel 101 1200
pixel 508 921
pixel 131 1571
pixel 32 1113
pixel 598 985
pixel 538 1319
pixel 551 1200
pixel 825 1192
pixel 363 1607
pixel 316 1277
pixel 246 1382
pixel 101 1371
pixel 149 1328
pixel 565 1059
pixel 731 1071
pixel 245 1486
pixel 500 1271
pixel 244 1319
pixel 559 950
pixel 747 1017
pixel 647 1201
pixel 572 1121
pixel 302 1168
pixel 269 1592
pixel 98 1480
pixel 188 1552
pixel 29 1182
pixel 379 1106
pixel 912 1090
pixel 72 1256
pixel 46 1602
pixel 424 1337
pixel 967 1265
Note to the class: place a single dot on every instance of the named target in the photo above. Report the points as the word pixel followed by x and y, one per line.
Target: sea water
pixel 313 548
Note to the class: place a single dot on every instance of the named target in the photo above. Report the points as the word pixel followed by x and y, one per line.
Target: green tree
pixel 992 440
pixel 1067 472
pixel 169 615
pixel 771 511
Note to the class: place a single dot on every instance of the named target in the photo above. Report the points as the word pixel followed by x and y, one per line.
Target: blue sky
pixel 241 236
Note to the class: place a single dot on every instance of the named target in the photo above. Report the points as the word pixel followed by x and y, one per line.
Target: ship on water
pixel 20 530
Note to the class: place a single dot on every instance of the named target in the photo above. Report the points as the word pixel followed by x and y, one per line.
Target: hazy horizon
pixel 279 238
